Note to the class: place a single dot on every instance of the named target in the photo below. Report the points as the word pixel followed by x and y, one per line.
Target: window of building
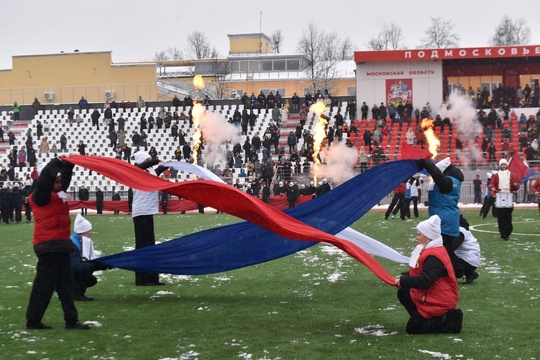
pixel 279 65
pixel 266 65
pixel 243 66
pixel 254 66
pixel 293 64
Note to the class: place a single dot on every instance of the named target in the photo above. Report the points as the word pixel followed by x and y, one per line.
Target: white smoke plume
pixel 462 115
pixel 216 131
pixel 340 160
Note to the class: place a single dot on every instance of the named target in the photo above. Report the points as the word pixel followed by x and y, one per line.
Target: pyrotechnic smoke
pixel 216 131
pixel 340 160
pixel 462 114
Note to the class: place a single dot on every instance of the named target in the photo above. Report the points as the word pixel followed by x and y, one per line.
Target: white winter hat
pixel 430 228
pixel 141 156
pixel 503 161
pixel 81 225
pixel 443 164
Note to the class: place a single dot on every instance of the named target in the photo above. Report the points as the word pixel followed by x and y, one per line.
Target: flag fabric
pixel 269 234
pixel 519 168
pixel 413 152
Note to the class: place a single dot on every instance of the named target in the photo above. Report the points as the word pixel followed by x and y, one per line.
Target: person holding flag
pixel 429 290
pixel 502 186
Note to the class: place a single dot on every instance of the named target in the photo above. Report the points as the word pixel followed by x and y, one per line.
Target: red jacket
pixel 442 295
pixel 494 184
pixel 52 221
pixel 536 187
pixel 400 189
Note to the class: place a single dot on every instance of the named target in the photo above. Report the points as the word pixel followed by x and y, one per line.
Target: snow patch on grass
pixel 374 330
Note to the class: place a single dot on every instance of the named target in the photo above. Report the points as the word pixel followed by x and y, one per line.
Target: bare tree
pixel 322 54
pixel 511 32
pixel 198 46
pixel 159 58
pixel 390 38
pixel 346 49
pixel 175 54
pixel 440 34
pixel 376 44
pixel 220 68
pixel 275 41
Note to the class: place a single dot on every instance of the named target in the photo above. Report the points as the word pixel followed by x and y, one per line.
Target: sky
pixel 134 30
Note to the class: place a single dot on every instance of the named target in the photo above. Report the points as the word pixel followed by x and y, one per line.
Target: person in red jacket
pixel 398 202
pixel 52 246
pixel 536 190
pixel 429 291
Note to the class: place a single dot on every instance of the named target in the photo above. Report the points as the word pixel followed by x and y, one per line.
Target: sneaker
pixel 37 326
pixel 77 326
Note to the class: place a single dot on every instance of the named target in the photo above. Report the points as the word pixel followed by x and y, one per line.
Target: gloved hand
pixel 421 164
pixel 101 266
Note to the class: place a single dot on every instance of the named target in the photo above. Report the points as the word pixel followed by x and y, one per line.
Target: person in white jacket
pixel 145 206
pixel 468 253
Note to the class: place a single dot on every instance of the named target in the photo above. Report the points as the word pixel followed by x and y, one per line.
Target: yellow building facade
pixel 66 77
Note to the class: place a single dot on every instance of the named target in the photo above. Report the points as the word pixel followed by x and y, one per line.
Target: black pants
pixel 417 324
pixel 464 269
pixel 18 213
pixel 488 204
pixel 83 280
pixel 53 273
pixel 478 196
pixel 5 214
pixel 396 200
pixel 504 220
pixel 164 207
pixel 99 207
pixel 144 236
pixel 28 211
pixel 414 200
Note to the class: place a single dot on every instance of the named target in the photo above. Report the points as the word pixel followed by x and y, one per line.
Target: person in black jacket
pixel 292 194
pixel 163 200
pixel 99 201
pixel 16 202
pixel 5 203
pixel 95 118
pixel 84 195
pixel 323 188
pixel 116 197
pixel 27 190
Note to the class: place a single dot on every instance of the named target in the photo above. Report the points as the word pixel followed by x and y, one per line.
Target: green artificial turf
pixel 316 304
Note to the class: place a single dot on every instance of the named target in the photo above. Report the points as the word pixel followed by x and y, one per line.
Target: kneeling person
pixel 83 269
pixel 429 291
